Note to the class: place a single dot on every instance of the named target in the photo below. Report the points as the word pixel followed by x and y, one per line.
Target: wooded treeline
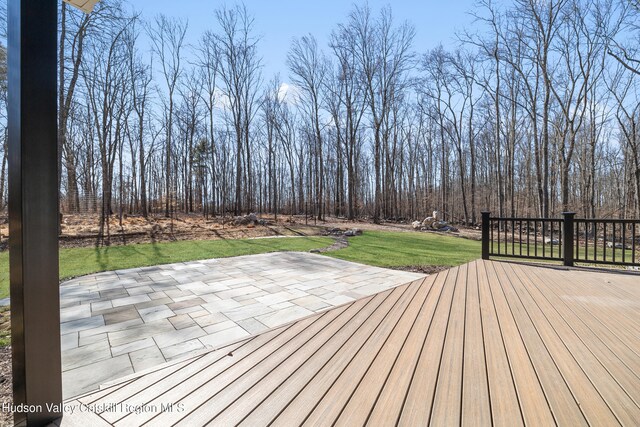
pixel 535 112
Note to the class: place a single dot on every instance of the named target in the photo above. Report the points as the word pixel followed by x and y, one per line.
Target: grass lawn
pixel 80 261
pixel 397 249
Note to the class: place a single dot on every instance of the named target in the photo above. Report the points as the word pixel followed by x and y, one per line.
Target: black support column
pixel 33 209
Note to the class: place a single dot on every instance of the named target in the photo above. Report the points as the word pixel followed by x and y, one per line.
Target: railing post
pixel 567 238
pixel 486 223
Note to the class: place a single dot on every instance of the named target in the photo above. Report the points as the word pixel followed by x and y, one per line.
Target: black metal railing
pixel 566 239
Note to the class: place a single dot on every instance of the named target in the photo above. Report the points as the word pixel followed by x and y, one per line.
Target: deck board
pixel 578 290
pixel 388 406
pixel 505 405
pixel 486 343
pixel 592 383
pixel 623 364
pixel 447 402
pixel 558 394
pixel 241 407
pixel 343 373
pixel 345 341
pixel 357 409
pixel 420 395
pixel 476 409
pixel 533 402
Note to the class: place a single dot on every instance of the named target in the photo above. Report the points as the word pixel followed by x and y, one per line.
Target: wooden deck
pixel 485 343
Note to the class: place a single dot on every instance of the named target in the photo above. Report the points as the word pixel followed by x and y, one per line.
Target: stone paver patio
pixel 118 323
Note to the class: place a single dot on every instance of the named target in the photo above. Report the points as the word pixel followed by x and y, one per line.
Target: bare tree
pixel 384 55
pixel 309 70
pixel 208 67
pixel 347 101
pixel 239 70
pixel 167 38
pixel 141 80
pixel 105 76
pixel 627 53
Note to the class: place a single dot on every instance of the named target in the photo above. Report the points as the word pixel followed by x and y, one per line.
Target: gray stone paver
pixel 226 335
pixel 146 358
pixel 69 341
pixel 283 316
pixel 86 355
pixel 84 379
pixel 90 339
pixel 117 323
pixel 181 321
pixel 252 325
pixel 182 349
pixel 132 346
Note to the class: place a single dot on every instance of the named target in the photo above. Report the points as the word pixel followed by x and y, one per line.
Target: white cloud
pixel 221 99
pixel 289 93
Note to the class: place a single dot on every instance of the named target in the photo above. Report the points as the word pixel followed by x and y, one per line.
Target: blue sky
pixel 278 22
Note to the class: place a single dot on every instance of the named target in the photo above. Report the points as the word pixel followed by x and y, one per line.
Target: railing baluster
pixel 491 239
pixel 513 237
pixel 624 243
pixel 551 236
pixel 499 225
pixel 613 242
pixel 506 240
pixel 528 236
pixel 586 241
pixel 535 237
pixel 491 225
pixel 520 237
pixel 560 231
pixel 633 243
pixel 604 242
pixel 577 242
pixel 543 237
pixel 595 231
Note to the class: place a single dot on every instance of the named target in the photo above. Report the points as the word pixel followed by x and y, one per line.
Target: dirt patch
pixel 341 242
pixel 473 233
pixel 81 230
pixel 6 391
pixel 424 269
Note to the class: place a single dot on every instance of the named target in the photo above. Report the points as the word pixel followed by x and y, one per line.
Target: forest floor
pixel 6 390
pixel 81 230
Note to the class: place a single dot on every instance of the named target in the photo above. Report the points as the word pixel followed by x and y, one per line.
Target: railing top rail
pixel 495 218
pixel 608 221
